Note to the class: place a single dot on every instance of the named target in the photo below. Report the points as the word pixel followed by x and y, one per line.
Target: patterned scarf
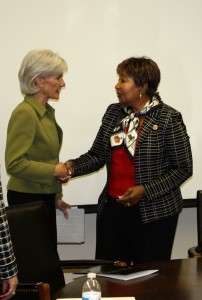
pixel 126 132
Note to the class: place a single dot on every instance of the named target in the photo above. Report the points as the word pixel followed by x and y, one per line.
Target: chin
pixel 56 97
pixel 122 102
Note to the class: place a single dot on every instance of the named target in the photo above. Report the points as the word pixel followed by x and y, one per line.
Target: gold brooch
pixel 155 127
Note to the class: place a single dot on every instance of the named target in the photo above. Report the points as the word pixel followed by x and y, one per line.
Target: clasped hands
pixel 63 171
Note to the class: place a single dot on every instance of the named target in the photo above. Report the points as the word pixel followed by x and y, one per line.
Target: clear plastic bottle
pixel 91 289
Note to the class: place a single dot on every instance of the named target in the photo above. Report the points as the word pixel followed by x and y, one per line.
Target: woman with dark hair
pixel 144 144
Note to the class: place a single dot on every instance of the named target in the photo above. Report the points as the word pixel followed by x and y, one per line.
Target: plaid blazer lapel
pixel 151 122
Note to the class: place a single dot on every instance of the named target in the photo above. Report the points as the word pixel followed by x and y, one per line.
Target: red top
pixel 122 173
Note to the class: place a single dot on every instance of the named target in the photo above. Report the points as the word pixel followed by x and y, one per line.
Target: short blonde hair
pixel 39 62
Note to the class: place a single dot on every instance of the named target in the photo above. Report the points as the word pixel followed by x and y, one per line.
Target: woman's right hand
pixel 8 287
pixel 69 171
pixel 60 170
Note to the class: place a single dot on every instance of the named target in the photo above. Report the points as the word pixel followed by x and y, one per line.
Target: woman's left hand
pixel 62 205
pixel 132 196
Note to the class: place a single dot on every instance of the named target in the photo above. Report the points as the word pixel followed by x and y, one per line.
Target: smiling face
pixel 50 87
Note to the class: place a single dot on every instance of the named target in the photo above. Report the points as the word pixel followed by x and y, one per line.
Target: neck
pixel 139 106
pixel 41 99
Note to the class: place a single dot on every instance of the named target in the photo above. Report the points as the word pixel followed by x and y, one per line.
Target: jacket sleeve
pixel 8 266
pixel 95 158
pixel 178 157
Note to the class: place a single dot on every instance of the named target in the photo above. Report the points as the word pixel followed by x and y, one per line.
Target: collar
pixel 154 102
pixel 38 107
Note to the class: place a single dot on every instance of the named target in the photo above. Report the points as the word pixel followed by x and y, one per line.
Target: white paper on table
pixel 104 298
pixel 129 276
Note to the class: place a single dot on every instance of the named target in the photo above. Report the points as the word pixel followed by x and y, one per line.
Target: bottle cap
pixel 91 275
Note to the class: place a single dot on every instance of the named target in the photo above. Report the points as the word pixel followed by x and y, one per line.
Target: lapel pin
pixel 155 127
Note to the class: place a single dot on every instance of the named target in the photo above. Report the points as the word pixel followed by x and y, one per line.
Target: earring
pixel 140 95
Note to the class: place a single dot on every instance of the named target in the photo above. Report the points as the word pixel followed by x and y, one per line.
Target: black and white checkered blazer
pixel 163 159
pixel 8 266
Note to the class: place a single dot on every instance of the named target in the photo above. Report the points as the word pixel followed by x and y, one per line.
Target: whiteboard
pixel 94 36
pixel 70 230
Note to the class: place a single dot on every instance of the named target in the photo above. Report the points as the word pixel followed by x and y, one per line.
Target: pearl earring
pixel 140 95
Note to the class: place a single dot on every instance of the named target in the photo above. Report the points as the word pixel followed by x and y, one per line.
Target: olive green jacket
pixel 32 149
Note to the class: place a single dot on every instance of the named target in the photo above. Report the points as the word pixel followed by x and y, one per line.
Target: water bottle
pixel 91 289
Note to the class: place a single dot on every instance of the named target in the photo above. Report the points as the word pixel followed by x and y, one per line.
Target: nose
pixel 62 82
pixel 117 86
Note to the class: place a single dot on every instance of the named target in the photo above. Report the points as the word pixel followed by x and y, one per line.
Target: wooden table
pixel 179 279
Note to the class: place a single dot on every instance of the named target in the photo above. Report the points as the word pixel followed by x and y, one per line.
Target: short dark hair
pixel 143 70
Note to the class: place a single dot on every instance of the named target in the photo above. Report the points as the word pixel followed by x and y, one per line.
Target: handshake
pixel 64 171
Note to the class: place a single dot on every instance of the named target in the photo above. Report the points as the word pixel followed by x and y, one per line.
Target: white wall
pixel 94 36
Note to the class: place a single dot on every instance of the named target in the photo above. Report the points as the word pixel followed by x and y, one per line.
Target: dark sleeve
pixel 8 266
pixel 95 158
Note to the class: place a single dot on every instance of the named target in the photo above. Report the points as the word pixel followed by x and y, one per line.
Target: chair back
pixel 36 255
pixel 31 291
pixel 199 219
pixel 197 250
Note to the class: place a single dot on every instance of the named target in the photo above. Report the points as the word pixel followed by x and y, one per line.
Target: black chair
pixel 29 291
pixel 79 264
pixel 197 250
pixel 36 255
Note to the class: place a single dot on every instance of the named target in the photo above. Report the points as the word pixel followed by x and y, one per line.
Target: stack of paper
pixel 116 272
pixel 104 298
